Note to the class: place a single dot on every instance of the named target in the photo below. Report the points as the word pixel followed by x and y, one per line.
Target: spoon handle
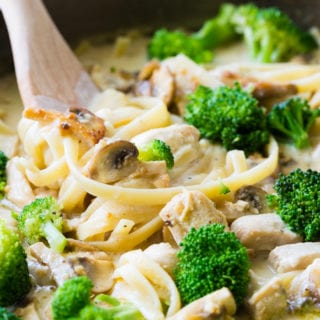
pixel 48 73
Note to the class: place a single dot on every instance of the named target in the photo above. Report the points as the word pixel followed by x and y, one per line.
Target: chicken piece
pixel 39 272
pixel 156 81
pixel 78 122
pixel 305 287
pixel 187 76
pixel 263 231
pixel 219 304
pixel 270 301
pixel 40 307
pixel 28 313
pixel 176 136
pixel 183 140
pixel 296 256
pixel 162 85
pixel 60 269
pixel 187 210
pixel 96 265
pixel 235 210
pixel 18 188
pixel 164 254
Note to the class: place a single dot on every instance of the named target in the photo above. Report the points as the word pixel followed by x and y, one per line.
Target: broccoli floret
pixel 297 202
pixel 291 120
pixel 166 44
pixel 41 219
pixel 72 301
pixel 156 150
pixel 218 30
pixel 114 310
pixel 211 258
pixel 197 46
pixel 7 315
pixel 270 34
pixel 3 174
pixel 228 115
pixel 14 274
pixel 71 297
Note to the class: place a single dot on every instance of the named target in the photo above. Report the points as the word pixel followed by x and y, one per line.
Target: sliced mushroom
pixel 96 265
pixel 113 161
pixel 255 196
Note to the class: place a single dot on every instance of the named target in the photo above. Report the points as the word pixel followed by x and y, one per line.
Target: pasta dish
pixel 123 217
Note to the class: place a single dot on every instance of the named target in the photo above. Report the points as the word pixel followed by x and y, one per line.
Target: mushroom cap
pixel 113 161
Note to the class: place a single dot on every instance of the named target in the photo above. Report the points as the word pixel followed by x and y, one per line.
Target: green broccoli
pixel 166 44
pixel 3 174
pixel 71 297
pixel 156 150
pixel 72 301
pixel 198 46
pixel 114 310
pixel 14 274
pixel 228 115
pixel 291 120
pixel 218 30
pixel 42 219
pixel 211 258
pixel 7 315
pixel 297 202
pixel 270 34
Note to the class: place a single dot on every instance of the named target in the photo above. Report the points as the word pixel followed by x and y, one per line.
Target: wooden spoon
pixel 48 74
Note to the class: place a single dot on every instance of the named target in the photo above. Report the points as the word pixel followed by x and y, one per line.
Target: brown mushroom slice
pixel 96 265
pixel 113 161
pixel 255 196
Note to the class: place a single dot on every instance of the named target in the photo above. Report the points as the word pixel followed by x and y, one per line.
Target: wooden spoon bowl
pixel 49 75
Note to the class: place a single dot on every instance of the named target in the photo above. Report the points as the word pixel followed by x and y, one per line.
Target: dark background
pixel 80 18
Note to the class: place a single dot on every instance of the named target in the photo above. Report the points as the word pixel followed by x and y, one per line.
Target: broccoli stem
pixel 55 238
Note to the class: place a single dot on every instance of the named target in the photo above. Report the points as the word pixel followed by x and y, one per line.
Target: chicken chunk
pixel 296 256
pixel 263 231
pixel 270 301
pixel 219 304
pixel 176 136
pixel 185 146
pixel 60 269
pixel 235 210
pixel 79 122
pixel 305 287
pixel 190 209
